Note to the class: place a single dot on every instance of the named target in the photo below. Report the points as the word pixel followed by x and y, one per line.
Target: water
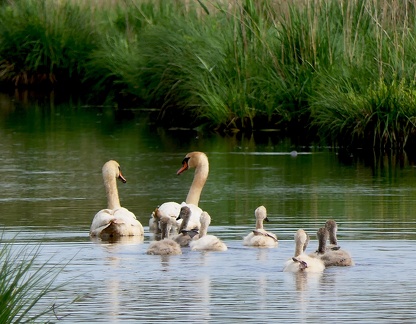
pixel 51 159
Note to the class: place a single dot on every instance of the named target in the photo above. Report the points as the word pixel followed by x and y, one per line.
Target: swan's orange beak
pixel 185 166
pixel 122 178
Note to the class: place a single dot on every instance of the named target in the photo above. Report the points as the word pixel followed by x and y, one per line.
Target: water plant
pixel 24 284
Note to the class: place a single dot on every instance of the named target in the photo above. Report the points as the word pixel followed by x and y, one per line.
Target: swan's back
pixel 331 255
pixel 166 246
pixel 207 242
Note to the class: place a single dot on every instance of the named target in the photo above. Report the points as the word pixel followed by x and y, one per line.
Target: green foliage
pixel 23 284
pixel 321 65
pixel 43 41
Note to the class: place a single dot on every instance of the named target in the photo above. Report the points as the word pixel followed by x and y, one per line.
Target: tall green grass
pixel 43 42
pixel 24 283
pixel 321 66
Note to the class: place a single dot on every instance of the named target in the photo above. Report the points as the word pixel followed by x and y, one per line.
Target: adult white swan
pixel 114 221
pixel 260 237
pixel 199 161
pixel 301 261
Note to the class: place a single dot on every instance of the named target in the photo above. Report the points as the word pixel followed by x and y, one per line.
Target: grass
pixel 24 284
pixel 344 70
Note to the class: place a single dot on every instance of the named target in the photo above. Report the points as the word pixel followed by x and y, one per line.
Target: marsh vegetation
pixel 342 72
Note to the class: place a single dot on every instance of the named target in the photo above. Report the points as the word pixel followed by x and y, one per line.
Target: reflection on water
pixel 120 282
pixel 52 187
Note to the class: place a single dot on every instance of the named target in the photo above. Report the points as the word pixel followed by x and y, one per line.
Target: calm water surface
pixel 51 187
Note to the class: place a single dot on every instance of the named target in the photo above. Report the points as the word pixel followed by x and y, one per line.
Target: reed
pixel 368 98
pixel 24 284
pixel 240 64
pixel 43 42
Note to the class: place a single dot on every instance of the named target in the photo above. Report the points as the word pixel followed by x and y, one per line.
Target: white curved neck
pixel 299 247
pixel 113 200
pixel 259 223
pixel 203 230
pixel 200 177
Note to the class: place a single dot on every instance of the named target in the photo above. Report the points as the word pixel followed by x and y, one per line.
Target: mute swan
pixel 199 161
pixel 207 242
pixel 185 236
pixel 165 246
pixel 260 237
pixel 115 221
pixel 331 256
pixel 301 261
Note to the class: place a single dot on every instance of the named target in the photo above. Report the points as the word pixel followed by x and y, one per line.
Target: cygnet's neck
pixel 259 223
pixel 322 235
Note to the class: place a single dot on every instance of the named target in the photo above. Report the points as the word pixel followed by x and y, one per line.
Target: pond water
pixel 51 187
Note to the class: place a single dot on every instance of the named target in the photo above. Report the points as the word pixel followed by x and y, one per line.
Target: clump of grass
pixel 24 284
pixel 383 115
pixel 42 43
pixel 236 65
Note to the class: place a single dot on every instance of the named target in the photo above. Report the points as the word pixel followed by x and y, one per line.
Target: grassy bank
pixel 340 70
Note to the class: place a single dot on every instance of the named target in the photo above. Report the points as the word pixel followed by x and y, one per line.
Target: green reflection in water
pixel 52 156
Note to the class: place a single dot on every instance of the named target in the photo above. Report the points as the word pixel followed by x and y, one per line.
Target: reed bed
pixel 343 70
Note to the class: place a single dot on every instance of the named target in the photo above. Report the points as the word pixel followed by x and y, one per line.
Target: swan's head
pixel 166 223
pixel 261 213
pixel 301 237
pixel 205 219
pixel 193 160
pixel 184 214
pixel 111 169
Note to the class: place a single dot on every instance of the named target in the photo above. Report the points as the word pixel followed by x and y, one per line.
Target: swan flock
pixel 185 225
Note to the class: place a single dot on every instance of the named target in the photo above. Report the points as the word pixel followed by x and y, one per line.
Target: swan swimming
pixel 207 242
pixel 301 262
pixel 260 237
pixel 114 221
pixel 199 161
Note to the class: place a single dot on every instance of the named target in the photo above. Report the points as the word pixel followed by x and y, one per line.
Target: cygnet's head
pixel 261 213
pixel 184 214
pixel 302 237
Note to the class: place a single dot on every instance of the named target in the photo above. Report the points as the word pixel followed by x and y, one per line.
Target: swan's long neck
pixel 333 237
pixel 184 224
pixel 301 239
pixel 110 185
pixel 259 223
pixel 204 228
pixel 298 248
pixel 200 177
pixel 322 238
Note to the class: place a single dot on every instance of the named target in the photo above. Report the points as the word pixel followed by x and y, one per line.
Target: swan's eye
pixel 185 160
